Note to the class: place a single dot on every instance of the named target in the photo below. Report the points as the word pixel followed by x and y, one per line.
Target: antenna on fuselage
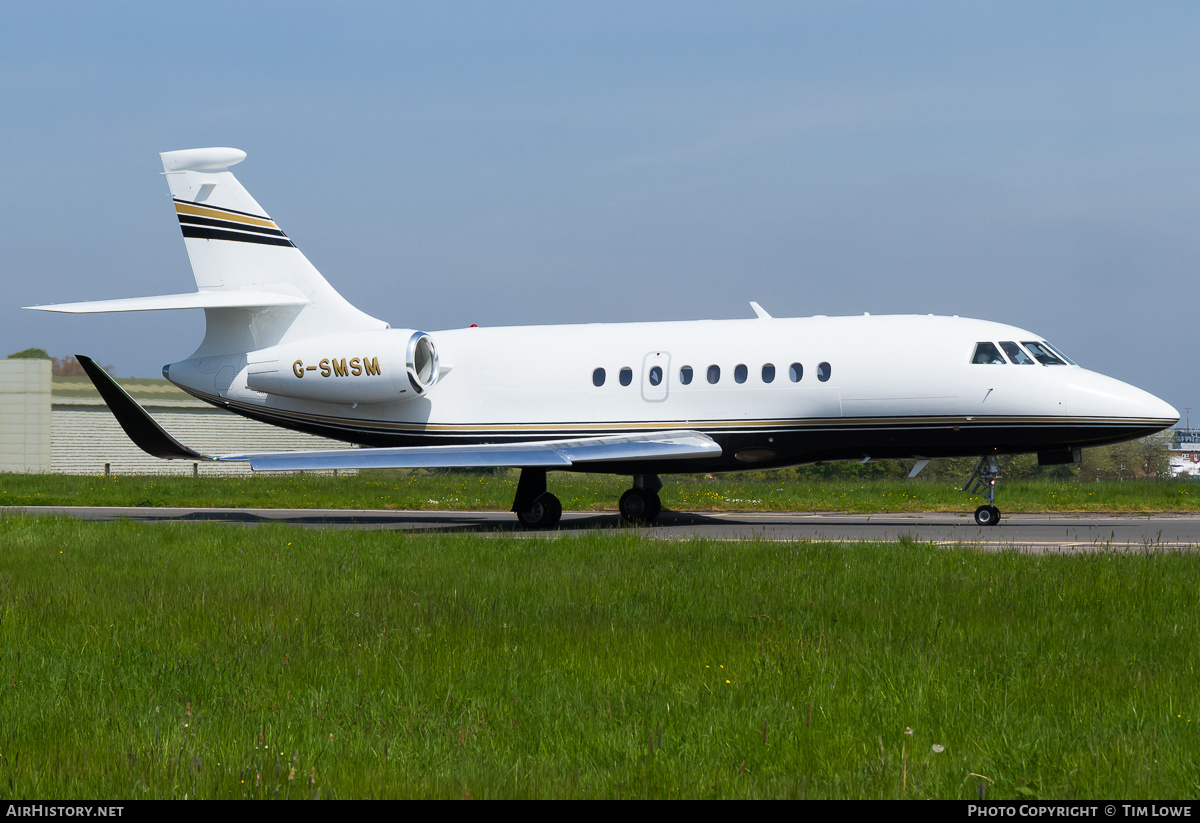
pixel 760 311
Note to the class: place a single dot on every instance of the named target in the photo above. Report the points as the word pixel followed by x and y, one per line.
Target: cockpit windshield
pixel 1044 354
pixel 1059 353
pixel 989 354
pixel 1016 353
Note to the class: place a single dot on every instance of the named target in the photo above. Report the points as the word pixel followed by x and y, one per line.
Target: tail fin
pixel 235 247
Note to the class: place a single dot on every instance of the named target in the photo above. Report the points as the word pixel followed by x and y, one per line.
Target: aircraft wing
pixel 152 438
pixel 550 454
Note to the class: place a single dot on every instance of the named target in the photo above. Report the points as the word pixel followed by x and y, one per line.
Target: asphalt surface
pixel 1021 532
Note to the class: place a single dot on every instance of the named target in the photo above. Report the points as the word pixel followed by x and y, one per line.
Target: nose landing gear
pixel 983 480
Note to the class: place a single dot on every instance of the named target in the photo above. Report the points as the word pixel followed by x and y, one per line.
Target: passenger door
pixel 656 374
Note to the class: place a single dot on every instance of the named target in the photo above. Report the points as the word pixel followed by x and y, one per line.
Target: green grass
pixel 579 492
pixel 164 661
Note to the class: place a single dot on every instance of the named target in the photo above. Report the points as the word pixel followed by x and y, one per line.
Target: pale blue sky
pixel 503 163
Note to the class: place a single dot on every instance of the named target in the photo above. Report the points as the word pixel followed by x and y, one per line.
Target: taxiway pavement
pixel 1023 532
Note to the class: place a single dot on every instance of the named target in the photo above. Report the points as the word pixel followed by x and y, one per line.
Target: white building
pixel 1185 453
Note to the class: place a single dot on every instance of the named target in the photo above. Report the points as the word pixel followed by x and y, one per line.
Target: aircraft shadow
pixel 434 521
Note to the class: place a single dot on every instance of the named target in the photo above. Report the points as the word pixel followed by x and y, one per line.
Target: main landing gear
pixel 640 505
pixel 537 508
pixel 983 479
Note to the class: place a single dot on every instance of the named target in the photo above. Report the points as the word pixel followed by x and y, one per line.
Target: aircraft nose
pixel 1090 394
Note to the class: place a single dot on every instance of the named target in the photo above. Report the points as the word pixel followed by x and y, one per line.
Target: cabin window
pixel 1016 354
pixel 824 370
pixel 740 373
pixel 685 375
pixel 598 377
pixel 714 374
pixel 655 375
pixel 796 372
pixel 768 373
pixel 1043 354
pixel 987 353
pixel 625 376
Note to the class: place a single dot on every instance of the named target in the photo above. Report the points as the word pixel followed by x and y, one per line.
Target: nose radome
pixel 1090 394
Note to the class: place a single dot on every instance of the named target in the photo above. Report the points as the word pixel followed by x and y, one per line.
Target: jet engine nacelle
pixel 381 366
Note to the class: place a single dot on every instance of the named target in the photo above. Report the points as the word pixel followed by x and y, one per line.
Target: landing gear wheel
pixel 987 515
pixel 639 506
pixel 543 513
pixel 983 481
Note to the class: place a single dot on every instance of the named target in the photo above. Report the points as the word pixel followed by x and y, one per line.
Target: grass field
pixel 578 492
pixel 171 661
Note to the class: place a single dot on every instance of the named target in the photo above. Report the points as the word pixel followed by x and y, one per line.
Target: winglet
pixel 142 429
pixel 760 311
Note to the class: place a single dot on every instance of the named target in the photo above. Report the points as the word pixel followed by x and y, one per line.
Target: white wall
pixel 25 415
pixel 85 437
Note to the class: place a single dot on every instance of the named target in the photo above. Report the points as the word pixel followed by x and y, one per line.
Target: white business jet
pixel 282 346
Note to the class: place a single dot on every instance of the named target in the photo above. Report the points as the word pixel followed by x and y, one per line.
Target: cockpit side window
pixel 987 353
pixel 1016 353
pixel 1043 354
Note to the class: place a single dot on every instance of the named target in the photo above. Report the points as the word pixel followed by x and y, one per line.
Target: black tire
pixel 655 508
pixel 639 506
pixel 987 515
pixel 545 513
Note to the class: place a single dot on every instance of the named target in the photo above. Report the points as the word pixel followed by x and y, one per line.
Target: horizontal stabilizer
pixel 550 454
pixel 142 429
pixel 194 300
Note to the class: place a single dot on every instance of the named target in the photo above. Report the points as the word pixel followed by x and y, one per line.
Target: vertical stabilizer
pixel 234 246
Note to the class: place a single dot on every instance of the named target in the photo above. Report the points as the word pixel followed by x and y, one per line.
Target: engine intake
pixel 422 362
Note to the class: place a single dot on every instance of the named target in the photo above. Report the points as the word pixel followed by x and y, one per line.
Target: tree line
pixel 1146 458
pixel 66 366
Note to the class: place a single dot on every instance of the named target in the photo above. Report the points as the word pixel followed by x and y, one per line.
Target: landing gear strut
pixel 536 508
pixel 640 505
pixel 983 479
